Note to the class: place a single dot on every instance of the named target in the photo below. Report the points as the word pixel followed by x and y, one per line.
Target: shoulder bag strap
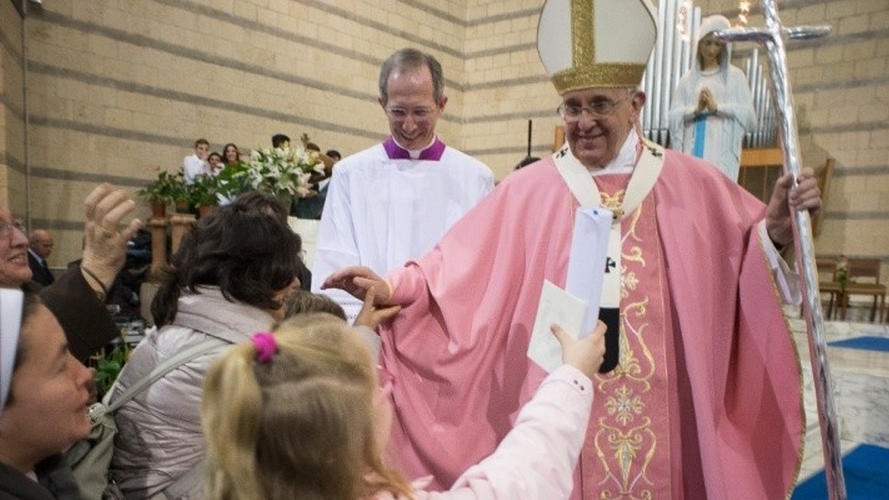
pixel 177 360
pixel 183 484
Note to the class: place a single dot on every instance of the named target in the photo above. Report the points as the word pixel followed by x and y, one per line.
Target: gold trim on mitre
pixel 586 71
pixel 598 75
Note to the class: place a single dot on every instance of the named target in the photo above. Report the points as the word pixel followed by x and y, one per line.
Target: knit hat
pixel 595 43
pixel 10 326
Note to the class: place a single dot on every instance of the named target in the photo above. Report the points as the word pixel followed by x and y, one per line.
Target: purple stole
pixel 396 152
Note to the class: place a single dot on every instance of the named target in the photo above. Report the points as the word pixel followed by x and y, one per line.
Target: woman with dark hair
pixel 230 277
pixel 231 154
pixel 216 163
pixel 44 393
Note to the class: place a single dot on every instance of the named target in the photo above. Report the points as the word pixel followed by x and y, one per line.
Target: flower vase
pixel 182 207
pixel 205 210
pixel 158 210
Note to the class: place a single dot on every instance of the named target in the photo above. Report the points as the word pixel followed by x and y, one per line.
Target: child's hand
pixel 586 354
pixel 370 315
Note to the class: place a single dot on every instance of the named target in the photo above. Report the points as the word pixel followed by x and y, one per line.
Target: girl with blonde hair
pixel 304 413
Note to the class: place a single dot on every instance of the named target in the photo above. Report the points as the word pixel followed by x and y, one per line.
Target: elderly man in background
pixel 77 297
pixel 393 201
pixel 40 248
pixel 706 399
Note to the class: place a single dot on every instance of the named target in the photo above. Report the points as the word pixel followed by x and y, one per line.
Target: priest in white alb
pixel 393 201
pixel 706 400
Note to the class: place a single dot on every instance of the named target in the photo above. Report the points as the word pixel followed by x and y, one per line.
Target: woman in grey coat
pixel 228 280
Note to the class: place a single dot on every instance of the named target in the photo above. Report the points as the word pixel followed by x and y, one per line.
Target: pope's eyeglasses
pixel 597 109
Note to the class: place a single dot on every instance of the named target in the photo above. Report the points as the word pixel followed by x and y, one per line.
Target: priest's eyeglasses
pixel 571 113
pixel 6 228
pixel 401 114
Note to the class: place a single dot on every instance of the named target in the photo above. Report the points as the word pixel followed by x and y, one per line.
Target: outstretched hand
pixel 372 316
pixel 105 238
pixel 804 196
pixel 585 354
pixel 357 281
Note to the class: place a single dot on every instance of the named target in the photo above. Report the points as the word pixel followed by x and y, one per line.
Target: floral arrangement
pixel 203 190
pixel 162 189
pixel 279 171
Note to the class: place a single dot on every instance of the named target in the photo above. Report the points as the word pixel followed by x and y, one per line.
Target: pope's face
pixel 411 109
pixel 595 139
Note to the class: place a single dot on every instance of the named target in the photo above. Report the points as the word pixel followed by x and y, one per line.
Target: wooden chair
pixel 828 287
pixel 760 168
pixel 866 276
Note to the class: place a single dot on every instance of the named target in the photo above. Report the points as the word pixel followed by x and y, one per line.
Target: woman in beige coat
pixel 229 278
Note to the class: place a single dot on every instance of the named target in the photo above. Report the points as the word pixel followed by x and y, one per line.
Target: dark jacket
pixel 87 323
pixel 55 482
pixel 39 271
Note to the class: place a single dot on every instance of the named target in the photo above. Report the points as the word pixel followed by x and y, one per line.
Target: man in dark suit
pixel 41 244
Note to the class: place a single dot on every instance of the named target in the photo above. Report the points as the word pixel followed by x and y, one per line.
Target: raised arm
pixel 537 458
pixel 78 297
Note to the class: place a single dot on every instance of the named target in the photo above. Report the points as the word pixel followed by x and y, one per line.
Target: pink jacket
pixel 537 458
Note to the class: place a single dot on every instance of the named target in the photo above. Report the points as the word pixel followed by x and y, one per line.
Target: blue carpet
pixel 866 471
pixel 868 343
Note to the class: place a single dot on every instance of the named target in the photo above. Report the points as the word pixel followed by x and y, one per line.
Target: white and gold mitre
pixel 595 43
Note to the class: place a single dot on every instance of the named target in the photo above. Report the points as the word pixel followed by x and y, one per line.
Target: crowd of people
pixel 403 372
pixel 202 161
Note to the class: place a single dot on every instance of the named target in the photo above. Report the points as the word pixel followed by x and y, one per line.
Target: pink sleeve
pixel 537 458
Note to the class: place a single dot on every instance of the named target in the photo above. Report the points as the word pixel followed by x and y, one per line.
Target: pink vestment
pixel 707 400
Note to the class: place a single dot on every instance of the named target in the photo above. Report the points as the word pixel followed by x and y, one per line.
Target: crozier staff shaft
pixel 772 38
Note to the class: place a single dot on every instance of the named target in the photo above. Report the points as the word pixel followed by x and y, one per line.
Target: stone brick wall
pixel 841 93
pixel 12 109
pixel 118 88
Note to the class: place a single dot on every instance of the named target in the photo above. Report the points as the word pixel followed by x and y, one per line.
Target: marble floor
pixel 860 380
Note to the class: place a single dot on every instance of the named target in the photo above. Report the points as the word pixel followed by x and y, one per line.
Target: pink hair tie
pixel 266 346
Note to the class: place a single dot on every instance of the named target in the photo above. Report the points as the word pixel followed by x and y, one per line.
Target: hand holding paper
pixel 576 309
pixel 556 307
pixel 585 354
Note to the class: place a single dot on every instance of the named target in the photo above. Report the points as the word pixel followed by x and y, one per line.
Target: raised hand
pixel 372 316
pixel 105 236
pixel 357 281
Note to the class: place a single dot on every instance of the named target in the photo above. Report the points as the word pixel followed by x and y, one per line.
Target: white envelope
pixel 559 307
pixel 575 309
pixel 586 262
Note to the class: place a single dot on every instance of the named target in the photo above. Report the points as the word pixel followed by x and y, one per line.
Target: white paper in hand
pixel 587 261
pixel 559 307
